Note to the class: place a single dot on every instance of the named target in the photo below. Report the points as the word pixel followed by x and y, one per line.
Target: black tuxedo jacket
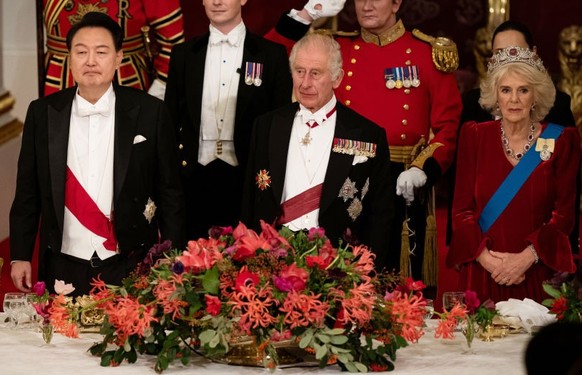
pixel 269 146
pixel 142 171
pixel 186 81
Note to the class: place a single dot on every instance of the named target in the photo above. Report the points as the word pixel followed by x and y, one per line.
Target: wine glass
pixel 450 299
pixel 429 311
pixel 13 305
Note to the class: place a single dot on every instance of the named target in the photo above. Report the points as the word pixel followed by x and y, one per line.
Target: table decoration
pixel 566 292
pixel 475 317
pixel 273 287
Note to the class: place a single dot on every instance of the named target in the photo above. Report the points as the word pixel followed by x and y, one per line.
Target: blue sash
pixel 515 180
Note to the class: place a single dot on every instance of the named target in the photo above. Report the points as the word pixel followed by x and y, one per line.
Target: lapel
pixel 58 121
pixel 279 135
pixel 126 115
pixel 339 166
pixel 194 65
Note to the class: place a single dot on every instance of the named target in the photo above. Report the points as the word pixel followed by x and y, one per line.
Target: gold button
pixel 403 137
pixel 184 163
pixel 407 91
pixel 348 102
pixel 350 73
pixel 405 122
pixel 356 47
pixel 348 87
pixel 407 62
pixel 405 106
pixel 408 51
pixel 181 146
pixel 353 61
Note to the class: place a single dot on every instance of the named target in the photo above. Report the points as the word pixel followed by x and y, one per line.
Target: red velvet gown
pixel 541 213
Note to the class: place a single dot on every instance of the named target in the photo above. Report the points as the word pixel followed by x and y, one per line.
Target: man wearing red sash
pixel 316 163
pixel 97 168
pixel 141 67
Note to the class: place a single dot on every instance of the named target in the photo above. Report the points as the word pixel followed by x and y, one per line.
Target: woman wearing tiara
pixel 515 186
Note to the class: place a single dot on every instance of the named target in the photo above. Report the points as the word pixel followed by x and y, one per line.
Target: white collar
pixel 234 37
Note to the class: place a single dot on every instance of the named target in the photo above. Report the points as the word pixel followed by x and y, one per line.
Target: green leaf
pixel 551 290
pixel 207 335
pixel 323 338
pixel 306 339
pixel 321 352
pixel 210 281
pixel 339 340
pixel 361 367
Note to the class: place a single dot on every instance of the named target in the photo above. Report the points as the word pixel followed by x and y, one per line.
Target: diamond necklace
pixel 509 151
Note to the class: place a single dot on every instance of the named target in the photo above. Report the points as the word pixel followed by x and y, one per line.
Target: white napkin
pixel 531 314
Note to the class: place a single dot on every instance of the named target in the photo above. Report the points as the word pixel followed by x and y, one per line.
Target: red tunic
pixel 541 213
pixel 163 17
pixel 407 114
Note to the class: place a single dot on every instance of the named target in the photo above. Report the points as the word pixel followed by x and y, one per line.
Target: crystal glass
pixel 450 299
pixel 14 305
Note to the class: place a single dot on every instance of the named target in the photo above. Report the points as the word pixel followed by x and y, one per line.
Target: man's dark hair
pixel 97 19
pixel 556 349
pixel 515 26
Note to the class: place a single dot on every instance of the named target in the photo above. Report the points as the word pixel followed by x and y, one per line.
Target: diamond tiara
pixel 517 55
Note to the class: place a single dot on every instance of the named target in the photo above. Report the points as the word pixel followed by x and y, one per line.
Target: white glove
pixel 323 8
pixel 157 89
pixel 408 180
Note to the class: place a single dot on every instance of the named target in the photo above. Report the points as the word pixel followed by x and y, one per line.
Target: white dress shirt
pixel 90 158
pixel 307 163
pixel 219 94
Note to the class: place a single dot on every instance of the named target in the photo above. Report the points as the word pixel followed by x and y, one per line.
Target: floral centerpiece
pixel 473 315
pixel 566 302
pixel 273 287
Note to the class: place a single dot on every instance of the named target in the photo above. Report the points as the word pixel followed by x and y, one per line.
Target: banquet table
pixel 23 351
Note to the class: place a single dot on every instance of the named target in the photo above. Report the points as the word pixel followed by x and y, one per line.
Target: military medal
pixel 398 84
pixel 253 73
pixel 389 77
pixel 415 81
pixel 406 81
pixel 306 140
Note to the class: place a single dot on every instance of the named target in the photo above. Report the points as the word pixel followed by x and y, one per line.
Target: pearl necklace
pixel 512 154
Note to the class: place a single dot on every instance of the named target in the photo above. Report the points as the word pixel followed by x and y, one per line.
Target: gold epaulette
pixel 444 51
pixel 330 32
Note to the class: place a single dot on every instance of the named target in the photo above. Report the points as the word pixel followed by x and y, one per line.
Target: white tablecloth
pixel 23 351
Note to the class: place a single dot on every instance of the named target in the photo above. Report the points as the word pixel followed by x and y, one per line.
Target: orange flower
pixel 61 318
pixel 303 310
pixel 129 317
pixel 446 327
pixel 253 306
pixel 357 304
pixel 166 293
pixel 201 255
pixel 408 313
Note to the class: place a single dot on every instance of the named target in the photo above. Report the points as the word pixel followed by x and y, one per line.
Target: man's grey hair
pixel 325 43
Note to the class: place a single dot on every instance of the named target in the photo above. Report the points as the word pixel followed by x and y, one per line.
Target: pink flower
pixel 213 304
pixel 273 237
pixel 315 233
pixel 291 278
pixel 201 255
pixel 414 285
pixel 247 243
pixel 245 278
pixel 471 301
pixel 62 288
pixel 39 288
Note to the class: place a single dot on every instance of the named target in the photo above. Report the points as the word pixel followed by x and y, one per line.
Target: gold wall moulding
pixel 10 130
pixel 6 103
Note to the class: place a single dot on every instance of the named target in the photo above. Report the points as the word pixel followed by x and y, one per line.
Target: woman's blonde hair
pixel 544 91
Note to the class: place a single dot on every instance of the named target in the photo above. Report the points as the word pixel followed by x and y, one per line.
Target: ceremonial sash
pixel 80 204
pixel 515 180
pixel 301 204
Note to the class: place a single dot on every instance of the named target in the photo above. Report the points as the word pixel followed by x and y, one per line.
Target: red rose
pixel 213 304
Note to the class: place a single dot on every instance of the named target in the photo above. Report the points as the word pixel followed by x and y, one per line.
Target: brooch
pixel 150 210
pixel 545 147
pixel 263 179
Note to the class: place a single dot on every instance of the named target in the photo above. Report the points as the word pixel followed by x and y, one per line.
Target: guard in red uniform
pixel 402 81
pixel 141 67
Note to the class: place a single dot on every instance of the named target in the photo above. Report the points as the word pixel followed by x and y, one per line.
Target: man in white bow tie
pixel 317 163
pixel 97 168
pixel 218 83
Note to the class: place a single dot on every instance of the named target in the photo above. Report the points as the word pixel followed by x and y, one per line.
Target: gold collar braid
pixel 386 37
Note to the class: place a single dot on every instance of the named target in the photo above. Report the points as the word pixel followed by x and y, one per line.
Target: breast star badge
pixel 262 179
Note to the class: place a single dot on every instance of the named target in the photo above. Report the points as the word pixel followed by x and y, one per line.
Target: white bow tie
pixel 217 38
pixel 84 111
pixel 308 116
